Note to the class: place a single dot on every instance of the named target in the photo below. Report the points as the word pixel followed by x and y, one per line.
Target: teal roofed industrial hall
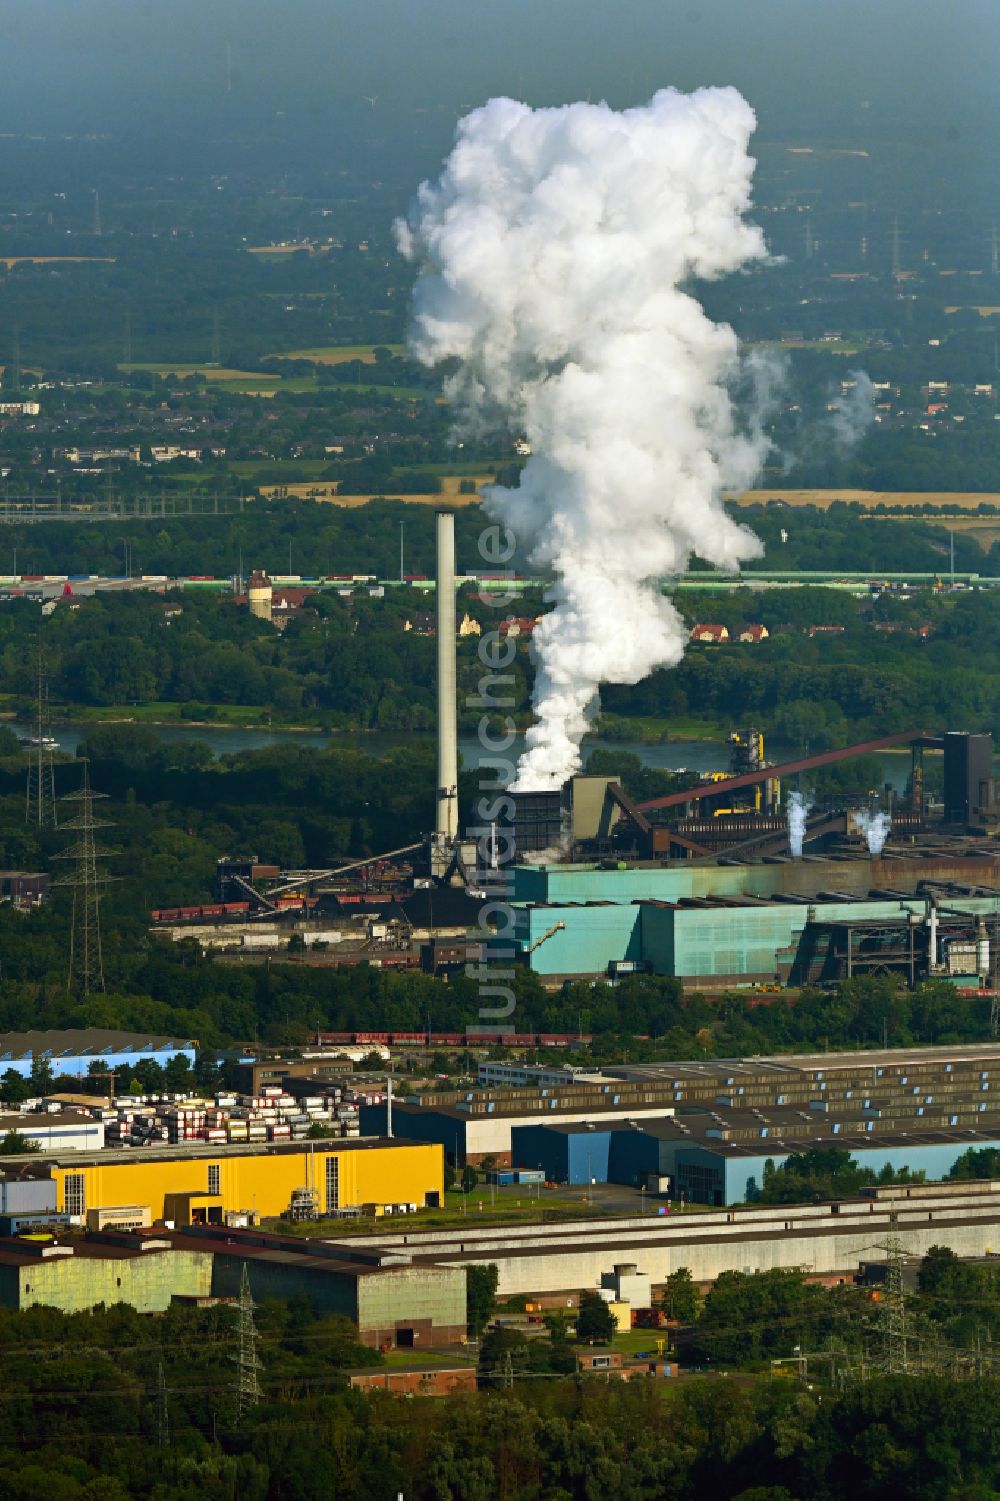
pixel 796 922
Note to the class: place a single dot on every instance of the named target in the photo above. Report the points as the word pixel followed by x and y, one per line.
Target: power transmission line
pixel 87 880
pixel 248 1363
pixel 40 795
pixel 896 262
pixel 892 1303
pixel 162 1409
pixel 16 358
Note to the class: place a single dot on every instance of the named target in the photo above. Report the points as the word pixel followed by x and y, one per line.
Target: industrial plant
pixel 737 881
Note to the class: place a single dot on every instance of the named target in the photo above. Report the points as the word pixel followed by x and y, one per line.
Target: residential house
pixel 516 625
pixel 422 623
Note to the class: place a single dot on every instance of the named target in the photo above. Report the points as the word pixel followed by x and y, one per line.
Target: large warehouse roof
pixel 807 1064
pixel 83 1042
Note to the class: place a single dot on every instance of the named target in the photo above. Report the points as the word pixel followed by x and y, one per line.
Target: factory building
pixel 206 1184
pixel 73 1052
pixel 512 1075
pixel 914 1078
pixel 475 1127
pixel 918 1109
pixel 577 1153
pixel 147 1274
pixel 57 1130
pixel 797 922
pixel 894 1089
pixel 390 1299
pixel 26 1204
pixel 708 1160
pixel 827 1239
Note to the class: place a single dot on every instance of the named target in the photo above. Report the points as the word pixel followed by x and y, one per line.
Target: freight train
pixel 454 1039
pixel 233 909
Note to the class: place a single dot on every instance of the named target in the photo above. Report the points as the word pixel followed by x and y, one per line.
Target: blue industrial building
pixel 73 1052
pixel 705 1170
pixel 565 1153
pixel 424 1123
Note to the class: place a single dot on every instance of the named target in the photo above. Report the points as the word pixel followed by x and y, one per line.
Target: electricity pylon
pixel 892 1304
pixel 40 795
pixel 896 262
pixel 87 880
pixel 246 1357
pixel 162 1409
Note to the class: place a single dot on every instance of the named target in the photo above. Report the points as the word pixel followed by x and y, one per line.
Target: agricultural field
pixel 958 500
pixel 56 260
pixel 340 354
pixel 210 372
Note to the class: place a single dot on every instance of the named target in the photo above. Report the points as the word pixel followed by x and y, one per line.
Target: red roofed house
pixel 286 602
pixel 754 633
pixel 714 634
pixel 825 630
pixel 516 625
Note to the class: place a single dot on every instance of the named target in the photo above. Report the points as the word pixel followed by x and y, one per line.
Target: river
pixel 701 756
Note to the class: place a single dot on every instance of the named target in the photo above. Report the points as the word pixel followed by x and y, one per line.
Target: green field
pixel 224 716
pixel 654 731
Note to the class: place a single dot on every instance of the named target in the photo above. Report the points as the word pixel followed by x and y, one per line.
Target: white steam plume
pixel 797 813
pixel 853 412
pixel 555 254
pixel 875 827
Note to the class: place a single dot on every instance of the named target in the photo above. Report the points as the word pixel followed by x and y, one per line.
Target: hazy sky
pixel 916 61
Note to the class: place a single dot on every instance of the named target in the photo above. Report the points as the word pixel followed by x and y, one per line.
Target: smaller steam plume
pixel 875 827
pixel 853 412
pixel 798 812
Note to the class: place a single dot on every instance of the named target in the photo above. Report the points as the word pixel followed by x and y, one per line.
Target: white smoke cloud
pixel 797 813
pixel 875 828
pixel 555 254
pixel 853 412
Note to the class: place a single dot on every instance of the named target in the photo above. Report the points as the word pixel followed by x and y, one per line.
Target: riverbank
pixel 611 729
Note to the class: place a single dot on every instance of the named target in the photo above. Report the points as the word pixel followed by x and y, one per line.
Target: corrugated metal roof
pixel 74 1043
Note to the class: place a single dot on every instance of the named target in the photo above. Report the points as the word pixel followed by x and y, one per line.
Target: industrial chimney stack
pixel 446 822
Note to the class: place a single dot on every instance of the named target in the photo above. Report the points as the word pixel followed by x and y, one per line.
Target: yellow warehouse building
pixel 199 1184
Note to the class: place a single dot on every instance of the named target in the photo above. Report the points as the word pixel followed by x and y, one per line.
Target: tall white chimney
pixel 446 823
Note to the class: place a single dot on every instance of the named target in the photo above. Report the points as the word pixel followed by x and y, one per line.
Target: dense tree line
pixel 351 663
pixel 822 1173
pixel 835 690
pixel 114 1405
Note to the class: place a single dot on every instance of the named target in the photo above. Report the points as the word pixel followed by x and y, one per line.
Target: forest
pixel 895 660
pixel 109 1406
pixel 333 540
